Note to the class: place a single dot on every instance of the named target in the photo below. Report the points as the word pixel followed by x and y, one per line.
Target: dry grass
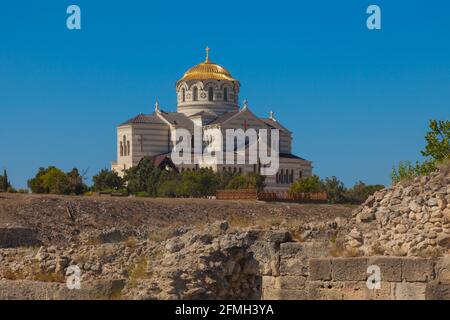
pixel 130 242
pixel 13 275
pixel 161 234
pixel 138 271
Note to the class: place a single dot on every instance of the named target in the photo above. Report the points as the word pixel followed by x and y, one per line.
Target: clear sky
pixel 358 101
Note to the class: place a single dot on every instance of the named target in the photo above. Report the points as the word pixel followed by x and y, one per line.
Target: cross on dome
pixel 207 54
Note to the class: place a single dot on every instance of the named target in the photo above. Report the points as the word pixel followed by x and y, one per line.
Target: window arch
pixel 124 145
pixel 210 94
pixel 128 148
pixel 225 94
pixel 121 148
pixel 195 93
pixel 183 95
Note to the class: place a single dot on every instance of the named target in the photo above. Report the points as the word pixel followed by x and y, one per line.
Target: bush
pixel 247 181
pixel 437 151
pixel 307 184
pixel 142 194
pixel 143 177
pixel 107 179
pixel 360 192
pixel 4 183
pixel 335 190
pixel 53 180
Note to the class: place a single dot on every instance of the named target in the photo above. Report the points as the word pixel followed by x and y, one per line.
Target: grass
pixel 161 234
pixel 138 271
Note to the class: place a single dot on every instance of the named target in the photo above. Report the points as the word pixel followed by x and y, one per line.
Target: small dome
pixel 207 70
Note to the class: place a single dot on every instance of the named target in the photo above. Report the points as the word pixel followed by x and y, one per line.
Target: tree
pixel 335 190
pixel 107 179
pixel 360 192
pixel 437 150
pixel 76 185
pixel 247 181
pixel 4 183
pixel 438 141
pixel 55 181
pixel 143 178
pixel 307 184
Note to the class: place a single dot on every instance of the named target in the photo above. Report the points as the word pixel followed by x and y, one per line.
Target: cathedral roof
pixel 143 119
pixel 207 70
pixel 177 119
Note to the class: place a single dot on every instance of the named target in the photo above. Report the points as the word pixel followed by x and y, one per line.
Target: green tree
pixel 75 180
pixel 143 178
pixel 247 181
pixel 4 183
pixel 360 192
pixel 307 184
pixel 438 141
pixel 56 181
pixel 335 190
pixel 107 179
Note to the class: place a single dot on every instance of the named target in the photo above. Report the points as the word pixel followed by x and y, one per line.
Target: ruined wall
pixel 306 273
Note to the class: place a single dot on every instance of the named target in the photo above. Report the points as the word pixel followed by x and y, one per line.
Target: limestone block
pixel 268 257
pixel 417 269
pixel 320 269
pixel 408 291
pixel 290 282
pixel 277 236
pixel 443 268
pixel 437 290
pixel 390 267
pixel 349 269
pixel 325 290
pixel 284 294
pixel 294 256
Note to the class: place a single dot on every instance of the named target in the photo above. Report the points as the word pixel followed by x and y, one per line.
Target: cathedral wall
pixel 149 140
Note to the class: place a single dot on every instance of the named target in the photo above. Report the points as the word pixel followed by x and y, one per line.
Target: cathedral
pixel 207 98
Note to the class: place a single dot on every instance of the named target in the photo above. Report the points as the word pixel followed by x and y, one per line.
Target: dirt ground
pixel 63 220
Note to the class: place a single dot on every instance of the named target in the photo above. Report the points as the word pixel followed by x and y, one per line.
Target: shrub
pixel 307 184
pixel 247 181
pixel 335 190
pixel 55 181
pixel 360 192
pixel 142 194
pixel 143 177
pixel 4 183
pixel 107 179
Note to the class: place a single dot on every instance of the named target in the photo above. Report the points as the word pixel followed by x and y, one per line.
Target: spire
pixel 245 104
pixel 207 54
pixel 157 106
pixel 272 116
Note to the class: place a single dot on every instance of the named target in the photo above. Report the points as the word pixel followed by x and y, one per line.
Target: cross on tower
pixel 141 141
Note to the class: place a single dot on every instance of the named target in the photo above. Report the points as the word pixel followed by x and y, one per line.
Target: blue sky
pixel 358 101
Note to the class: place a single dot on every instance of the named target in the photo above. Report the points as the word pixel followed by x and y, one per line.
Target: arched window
pixel 195 93
pixel 183 93
pixel 124 145
pixel 225 94
pixel 121 148
pixel 128 147
pixel 210 94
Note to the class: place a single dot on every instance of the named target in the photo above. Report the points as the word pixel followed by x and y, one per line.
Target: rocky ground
pixel 155 248
pixel 411 218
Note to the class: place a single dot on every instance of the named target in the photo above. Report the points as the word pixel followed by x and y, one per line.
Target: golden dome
pixel 207 70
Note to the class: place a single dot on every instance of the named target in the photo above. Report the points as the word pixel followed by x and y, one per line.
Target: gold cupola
pixel 207 87
pixel 207 70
